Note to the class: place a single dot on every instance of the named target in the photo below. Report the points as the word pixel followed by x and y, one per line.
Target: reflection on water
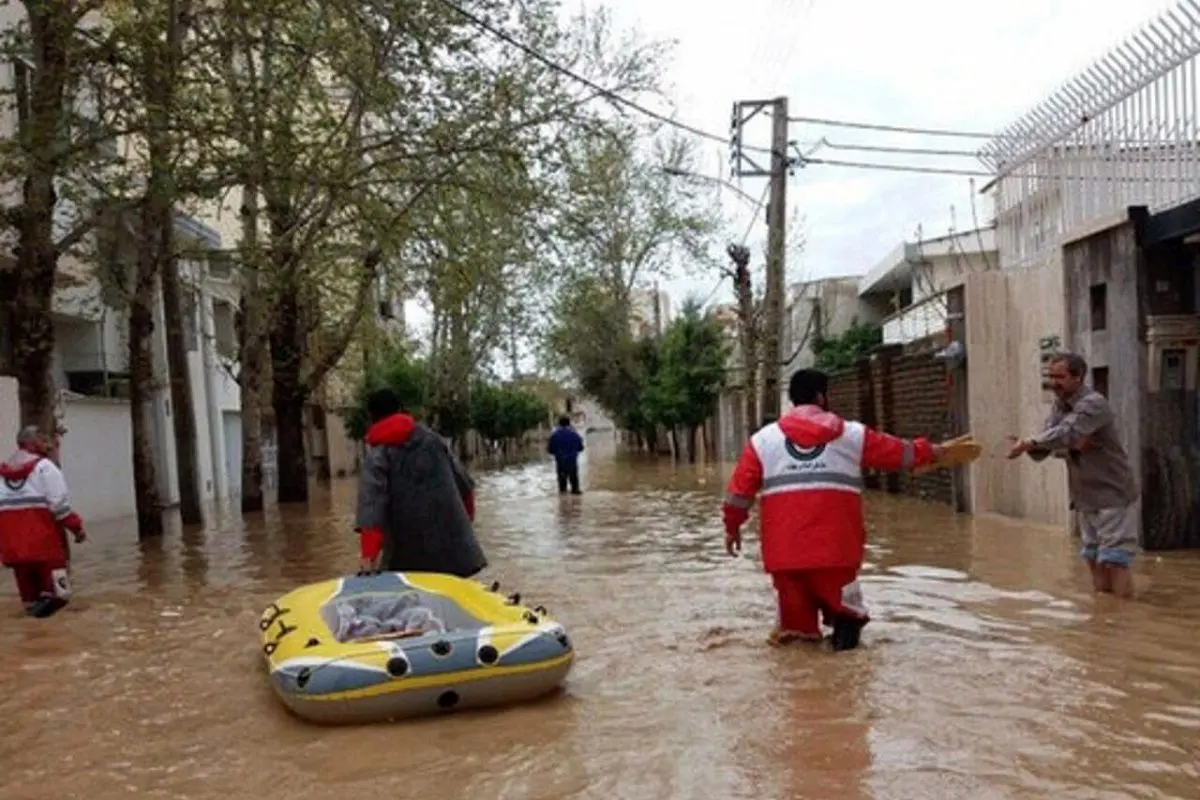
pixel 989 672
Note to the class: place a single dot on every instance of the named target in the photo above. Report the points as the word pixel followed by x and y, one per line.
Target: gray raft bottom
pixel 408 703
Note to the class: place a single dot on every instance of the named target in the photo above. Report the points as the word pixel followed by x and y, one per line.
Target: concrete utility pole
pixel 774 302
pixel 775 285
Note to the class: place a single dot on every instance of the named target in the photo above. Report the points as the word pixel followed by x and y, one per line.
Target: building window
pixel 220 265
pixel 1173 370
pixel 224 329
pixel 1099 304
pixel 1100 380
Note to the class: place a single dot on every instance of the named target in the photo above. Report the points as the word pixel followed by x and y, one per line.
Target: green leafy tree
pixel 408 377
pixel 842 352
pixel 686 386
pixel 631 220
pixel 503 414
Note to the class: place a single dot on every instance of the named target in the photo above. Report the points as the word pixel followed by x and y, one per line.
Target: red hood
pixel 19 465
pixel 391 431
pixel 809 426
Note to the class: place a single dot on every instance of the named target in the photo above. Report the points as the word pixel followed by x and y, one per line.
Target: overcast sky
pixel 971 65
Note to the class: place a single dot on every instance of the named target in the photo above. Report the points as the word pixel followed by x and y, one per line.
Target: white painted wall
pixel 200 414
pixel 97 456
pixel 232 432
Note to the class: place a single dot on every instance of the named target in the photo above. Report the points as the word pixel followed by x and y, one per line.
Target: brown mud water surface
pixel 989 671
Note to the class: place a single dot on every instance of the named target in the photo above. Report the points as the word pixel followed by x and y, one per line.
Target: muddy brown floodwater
pixel 989 671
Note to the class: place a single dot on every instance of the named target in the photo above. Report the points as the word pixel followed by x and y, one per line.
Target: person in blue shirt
pixel 566 445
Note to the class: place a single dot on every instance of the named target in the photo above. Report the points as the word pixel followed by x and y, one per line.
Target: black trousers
pixel 568 474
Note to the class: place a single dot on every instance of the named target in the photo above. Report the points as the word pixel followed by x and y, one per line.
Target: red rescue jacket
pixel 808 467
pixel 34 506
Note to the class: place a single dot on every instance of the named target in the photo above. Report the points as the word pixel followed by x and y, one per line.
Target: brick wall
pixel 904 395
pixel 843 393
pixel 919 404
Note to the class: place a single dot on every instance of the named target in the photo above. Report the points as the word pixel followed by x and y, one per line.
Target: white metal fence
pixel 1122 132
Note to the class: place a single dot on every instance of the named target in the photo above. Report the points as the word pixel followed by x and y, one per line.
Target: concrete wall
pixel 840 308
pixel 1109 258
pixel 1009 317
pixel 96 454
pixel 343 451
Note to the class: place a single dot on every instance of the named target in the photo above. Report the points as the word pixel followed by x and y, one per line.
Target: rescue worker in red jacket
pixel 808 467
pixel 34 513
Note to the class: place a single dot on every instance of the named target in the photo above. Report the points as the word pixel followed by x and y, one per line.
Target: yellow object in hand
pixel 956 452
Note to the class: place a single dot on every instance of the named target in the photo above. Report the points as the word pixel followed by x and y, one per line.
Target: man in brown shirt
pixel 1103 490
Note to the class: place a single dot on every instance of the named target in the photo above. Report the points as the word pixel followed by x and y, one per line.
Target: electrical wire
pixel 575 76
pixel 918 151
pixel 699 132
pixel 872 126
pixel 967 173
pixel 695 131
pixel 745 238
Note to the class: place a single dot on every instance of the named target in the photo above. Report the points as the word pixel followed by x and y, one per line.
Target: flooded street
pixel 989 671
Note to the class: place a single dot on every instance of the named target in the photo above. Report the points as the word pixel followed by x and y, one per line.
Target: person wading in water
pixel 1082 429
pixel 565 445
pixel 808 467
pixel 416 502
pixel 35 513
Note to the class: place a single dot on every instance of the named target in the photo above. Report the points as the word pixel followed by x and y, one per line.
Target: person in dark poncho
pixel 416 502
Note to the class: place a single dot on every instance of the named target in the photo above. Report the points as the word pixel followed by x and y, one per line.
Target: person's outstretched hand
pixel 1018 447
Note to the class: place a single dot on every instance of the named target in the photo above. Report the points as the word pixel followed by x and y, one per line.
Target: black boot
pixel 45 606
pixel 846 633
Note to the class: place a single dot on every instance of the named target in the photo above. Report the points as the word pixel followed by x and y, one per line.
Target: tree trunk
pixel 183 416
pixel 141 378
pixel 288 397
pixel 289 436
pixel 27 290
pixel 252 356
pixel 748 335
pixel 691 444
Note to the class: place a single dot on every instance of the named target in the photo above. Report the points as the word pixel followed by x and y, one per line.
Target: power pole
pixel 775 287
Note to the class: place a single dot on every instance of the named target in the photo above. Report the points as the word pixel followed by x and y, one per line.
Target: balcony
pixel 924 318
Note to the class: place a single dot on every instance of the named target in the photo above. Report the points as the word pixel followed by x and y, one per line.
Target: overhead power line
pixel 872 126
pixel 575 76
pixel 758 207
pixel 899 168
pixel 917 151
pixel 716 137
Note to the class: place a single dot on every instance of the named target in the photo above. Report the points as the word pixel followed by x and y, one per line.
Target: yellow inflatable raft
pixel 395 645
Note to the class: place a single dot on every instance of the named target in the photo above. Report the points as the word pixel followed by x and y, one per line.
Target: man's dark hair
pixel 1077 366
pixel 564 421
pixel 805 385
pixel 382 403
